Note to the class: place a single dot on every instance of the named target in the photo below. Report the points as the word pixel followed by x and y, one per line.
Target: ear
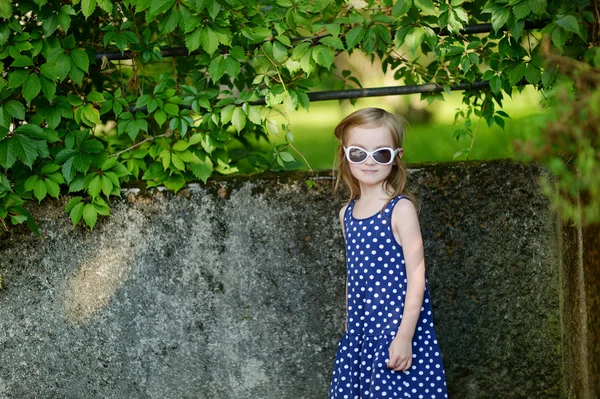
pixel 400 154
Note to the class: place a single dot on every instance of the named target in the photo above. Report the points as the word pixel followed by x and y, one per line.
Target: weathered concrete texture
pixel 590 238
pixel 236 290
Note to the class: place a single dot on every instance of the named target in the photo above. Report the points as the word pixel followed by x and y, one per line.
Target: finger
pixel 403 364
pixel 392 362
pixel 400 367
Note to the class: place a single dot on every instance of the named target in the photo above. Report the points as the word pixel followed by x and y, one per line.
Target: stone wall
pixel 236 290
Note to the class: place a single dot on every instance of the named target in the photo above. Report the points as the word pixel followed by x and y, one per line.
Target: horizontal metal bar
pixel 182 51
pixel 386 91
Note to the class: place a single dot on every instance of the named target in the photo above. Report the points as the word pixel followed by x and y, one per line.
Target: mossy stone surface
pixel 235 289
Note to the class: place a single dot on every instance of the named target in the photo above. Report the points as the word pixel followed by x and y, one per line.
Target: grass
pixel 424 142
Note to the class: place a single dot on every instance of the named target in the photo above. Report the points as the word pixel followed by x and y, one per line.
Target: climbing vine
pixel 73 119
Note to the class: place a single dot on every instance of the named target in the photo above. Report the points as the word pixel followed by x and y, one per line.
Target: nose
pixel 370 160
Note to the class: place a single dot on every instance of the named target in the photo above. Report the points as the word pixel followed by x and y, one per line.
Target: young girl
pixel 389 349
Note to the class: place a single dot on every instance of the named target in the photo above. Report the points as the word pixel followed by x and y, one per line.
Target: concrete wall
pixel 236 290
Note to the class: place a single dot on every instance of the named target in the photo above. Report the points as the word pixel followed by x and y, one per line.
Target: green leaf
pixel 522 9
pixel 27 149
pixel 401 7
pixel 21 61
pixel 217 68
pixel 64 20
pixel 192 40
pixel 81 162
pixel 90 216
pixel 286 156
pixel 323 55
pixel 77 212
pixel 300 50
pixel 90 115
pixel 181 145
pixel 63 66
pixel 238 119
pixel 160 117
pixel 232 66
pixel 49 90
pixel 53 189
pixel 87 7
pixel 175 182
pixel 538 6
pixel 31 182
pixel 49 71
pixel 227 113
pixel 354 36
pixel 15 109
pixel 7 156
pixel 40 190
pixel 558 37
pixel 158 6
pixel 107 186
pixel 414 38
pixel 203 169
pixel 496 84
pixel 569 23
pixel 177 162
pixel 76 74
pixel 72 202
pixel 500 17
pixel 50 24
pixel 5 9
pixel 254 115
pixel 280 52
pixel 171 109
pixel 169 22
pixel 95 186
pixel 533 74
pixel 31 130
pixel 96 97
pixel 425 5
pixel 80 59
pixel 209 40
pixel 516 74
pixel 17 78
pixel 334 42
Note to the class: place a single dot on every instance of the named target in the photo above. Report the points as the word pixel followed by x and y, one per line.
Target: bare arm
pixel 342 212
pixel 405 224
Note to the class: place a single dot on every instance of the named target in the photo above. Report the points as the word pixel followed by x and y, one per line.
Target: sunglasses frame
pixel 370 154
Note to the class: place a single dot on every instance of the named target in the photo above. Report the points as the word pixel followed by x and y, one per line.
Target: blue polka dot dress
pixel 376 292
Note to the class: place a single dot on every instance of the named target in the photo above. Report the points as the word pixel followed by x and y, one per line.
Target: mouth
pixel 369 171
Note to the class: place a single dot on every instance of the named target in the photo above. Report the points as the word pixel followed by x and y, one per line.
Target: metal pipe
pixel 182 51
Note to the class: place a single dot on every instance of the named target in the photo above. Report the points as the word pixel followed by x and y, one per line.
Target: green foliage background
pixel 176 124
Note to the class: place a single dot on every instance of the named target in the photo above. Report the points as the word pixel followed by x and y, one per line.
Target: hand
pixel 400 354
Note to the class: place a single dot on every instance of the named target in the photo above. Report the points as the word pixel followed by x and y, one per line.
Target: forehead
pixel 370 137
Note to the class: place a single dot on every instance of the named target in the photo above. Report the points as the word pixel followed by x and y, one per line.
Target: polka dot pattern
pixel 376 293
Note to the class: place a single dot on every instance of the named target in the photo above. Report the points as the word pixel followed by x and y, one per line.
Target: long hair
pixel 395 182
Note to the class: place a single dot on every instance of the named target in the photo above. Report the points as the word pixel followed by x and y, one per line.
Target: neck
pixel 368 192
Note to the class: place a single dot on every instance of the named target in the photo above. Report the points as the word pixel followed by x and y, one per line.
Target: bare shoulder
pixel 405 213
pixel 342 213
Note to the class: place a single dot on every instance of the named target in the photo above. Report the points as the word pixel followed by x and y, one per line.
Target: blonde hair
pixel 395 182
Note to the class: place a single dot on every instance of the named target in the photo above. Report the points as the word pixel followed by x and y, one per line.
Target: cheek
pixel 354 168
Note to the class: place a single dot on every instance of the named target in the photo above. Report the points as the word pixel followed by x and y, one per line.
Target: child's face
pixel 369 172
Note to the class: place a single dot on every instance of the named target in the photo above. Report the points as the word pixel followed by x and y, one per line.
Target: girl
pixel 389 349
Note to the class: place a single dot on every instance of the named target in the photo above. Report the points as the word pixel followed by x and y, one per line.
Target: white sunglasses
pixel 382 156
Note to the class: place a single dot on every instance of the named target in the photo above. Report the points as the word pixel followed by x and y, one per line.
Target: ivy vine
pixel 181 119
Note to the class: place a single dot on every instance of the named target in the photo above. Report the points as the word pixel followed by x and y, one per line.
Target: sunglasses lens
pixel 383 156
pixel 356 155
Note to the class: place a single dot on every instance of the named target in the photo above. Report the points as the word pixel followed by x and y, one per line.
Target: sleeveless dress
pixel 376 292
